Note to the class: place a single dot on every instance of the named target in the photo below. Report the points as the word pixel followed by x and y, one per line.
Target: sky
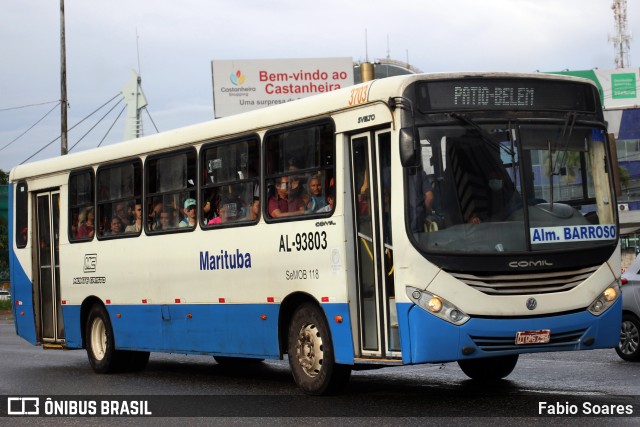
pixel 171 44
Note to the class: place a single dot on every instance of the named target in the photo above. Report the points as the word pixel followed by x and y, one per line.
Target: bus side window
pixel 170 183
pixel 82 221
pixel 229 182
pixel 22 206
pixel 300 168
pixel 119 197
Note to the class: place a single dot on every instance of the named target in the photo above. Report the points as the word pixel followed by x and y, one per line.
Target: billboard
pixel 245 85
pixel 619 88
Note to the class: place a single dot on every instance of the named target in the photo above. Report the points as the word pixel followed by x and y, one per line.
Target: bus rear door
pixel 48 267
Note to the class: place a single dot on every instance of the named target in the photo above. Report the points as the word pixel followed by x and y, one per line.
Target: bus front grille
pixel 526 284
pixel 489 344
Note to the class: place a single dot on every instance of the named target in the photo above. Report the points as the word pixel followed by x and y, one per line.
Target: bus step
pixel 378 361
pixel 52 346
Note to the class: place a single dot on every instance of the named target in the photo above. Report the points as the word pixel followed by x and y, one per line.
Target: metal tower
pixel 621 40
pixel 136 101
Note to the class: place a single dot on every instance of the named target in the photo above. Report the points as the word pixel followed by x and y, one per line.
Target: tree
pixel 4 177
pixel 625 177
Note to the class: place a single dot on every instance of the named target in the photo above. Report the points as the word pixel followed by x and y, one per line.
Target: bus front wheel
pixel 490 368
pixel 311 354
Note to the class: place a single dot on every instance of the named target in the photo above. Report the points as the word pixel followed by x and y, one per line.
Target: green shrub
pixel 5 304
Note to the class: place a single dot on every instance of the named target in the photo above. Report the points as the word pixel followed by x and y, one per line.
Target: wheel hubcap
pixel 98 339
pixel 629 338
pixel 309 351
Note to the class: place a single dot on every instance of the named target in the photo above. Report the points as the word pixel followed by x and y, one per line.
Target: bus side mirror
pixel 408 147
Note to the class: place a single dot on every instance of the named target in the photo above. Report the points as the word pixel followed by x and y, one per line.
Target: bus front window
pixel 482 178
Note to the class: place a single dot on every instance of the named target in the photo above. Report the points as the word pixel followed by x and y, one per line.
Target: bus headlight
pixel 605 300
pixel 437 306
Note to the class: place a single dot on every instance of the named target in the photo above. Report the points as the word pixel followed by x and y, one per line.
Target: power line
pixel 32 126
pixel 97 123
pixel 48 144
pixel 151 118
pixel 112 124
pixel 30 105
pixel 33 155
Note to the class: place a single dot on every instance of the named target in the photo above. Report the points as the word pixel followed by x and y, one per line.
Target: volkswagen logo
pixel 532 303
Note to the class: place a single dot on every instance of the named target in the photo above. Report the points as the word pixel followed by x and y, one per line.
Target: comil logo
pixel 237 78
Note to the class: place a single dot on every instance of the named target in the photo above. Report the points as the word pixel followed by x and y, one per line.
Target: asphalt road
pixel 176 387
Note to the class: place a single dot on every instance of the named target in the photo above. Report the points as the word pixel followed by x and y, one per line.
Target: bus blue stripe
pixel 222 329
pixel 340 332
pixel 427 338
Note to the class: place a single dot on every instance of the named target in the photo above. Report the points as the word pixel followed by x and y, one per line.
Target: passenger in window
pixel 86 226
pixel 75 221
pixel 154 216
pixel 421 201
pixel 208 211
pixel 23 236
pixel 121 212
pixel 190 214
pixel 233 196
pixel 331 201
pixel 316 200
pixel 166 219
pixel 226 211
pixel 296 183
pixel 254 210
pixel 280 205
pixel 115 227
pixel 136 226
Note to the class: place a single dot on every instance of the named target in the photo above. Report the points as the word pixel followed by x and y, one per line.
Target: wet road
pixel 178 385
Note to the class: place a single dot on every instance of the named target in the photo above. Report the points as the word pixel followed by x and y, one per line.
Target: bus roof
pixel 241 124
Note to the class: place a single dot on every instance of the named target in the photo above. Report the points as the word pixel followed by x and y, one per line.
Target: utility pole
pixel 63 84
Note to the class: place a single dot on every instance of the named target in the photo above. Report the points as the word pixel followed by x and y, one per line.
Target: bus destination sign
pixel 505 94
pixel 464 95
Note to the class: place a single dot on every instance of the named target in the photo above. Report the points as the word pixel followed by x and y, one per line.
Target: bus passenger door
pixel 48 267
pixel 371 189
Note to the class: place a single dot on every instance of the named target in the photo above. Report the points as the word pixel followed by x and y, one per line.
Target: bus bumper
pixel 426 338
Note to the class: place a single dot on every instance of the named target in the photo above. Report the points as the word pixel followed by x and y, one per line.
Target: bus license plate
pixel 533 337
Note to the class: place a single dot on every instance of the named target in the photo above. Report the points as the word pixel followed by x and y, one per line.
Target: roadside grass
pixel 5 304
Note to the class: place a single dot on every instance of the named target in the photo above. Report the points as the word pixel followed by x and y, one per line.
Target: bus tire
pixel 101 351
pixel 311 355
pixel 629 346
pixel 490 368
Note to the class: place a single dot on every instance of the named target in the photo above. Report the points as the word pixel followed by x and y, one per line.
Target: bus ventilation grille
pixel 526 284
pixel 559 340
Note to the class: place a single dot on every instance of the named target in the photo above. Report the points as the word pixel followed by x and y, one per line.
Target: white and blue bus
pixel 414 219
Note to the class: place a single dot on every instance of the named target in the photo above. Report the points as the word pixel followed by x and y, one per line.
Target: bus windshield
pixel 510 187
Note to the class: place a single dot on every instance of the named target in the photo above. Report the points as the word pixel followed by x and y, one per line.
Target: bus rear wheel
pixel 311 354
pixel 101 351
pixel 490 368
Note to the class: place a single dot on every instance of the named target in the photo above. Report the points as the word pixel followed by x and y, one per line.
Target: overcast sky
pixel 178 39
